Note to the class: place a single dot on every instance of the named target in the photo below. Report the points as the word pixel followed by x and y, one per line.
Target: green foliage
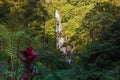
pixel 91 25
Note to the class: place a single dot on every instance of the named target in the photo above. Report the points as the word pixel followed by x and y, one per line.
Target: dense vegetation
pixel 93 26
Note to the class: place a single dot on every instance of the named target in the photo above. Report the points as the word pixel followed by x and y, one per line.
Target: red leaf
pixel 4 75
pixel 24 77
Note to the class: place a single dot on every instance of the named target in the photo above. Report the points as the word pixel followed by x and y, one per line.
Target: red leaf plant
pixel 27 57
pixel 4 75
pixel 24 77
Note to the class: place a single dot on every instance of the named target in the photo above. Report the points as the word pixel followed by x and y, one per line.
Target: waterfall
pixel 59 31
pixel 66 50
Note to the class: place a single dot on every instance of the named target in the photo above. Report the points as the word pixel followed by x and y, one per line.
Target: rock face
pixel 65 50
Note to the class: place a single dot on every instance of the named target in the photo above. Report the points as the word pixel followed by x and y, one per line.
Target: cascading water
pixel 59 31
pixel 66 50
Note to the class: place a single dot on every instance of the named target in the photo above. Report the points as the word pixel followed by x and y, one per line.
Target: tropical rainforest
pixel 28 40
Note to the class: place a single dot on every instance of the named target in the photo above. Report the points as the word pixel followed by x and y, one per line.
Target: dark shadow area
pixel 100 47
